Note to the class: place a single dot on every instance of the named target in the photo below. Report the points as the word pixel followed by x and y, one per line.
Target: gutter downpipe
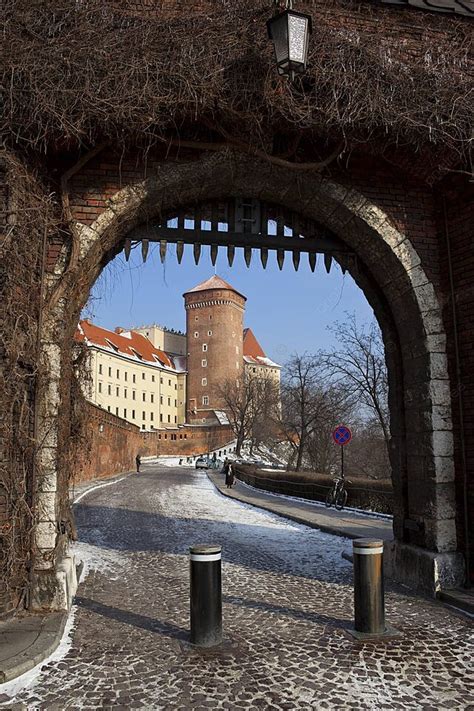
pixel 459 389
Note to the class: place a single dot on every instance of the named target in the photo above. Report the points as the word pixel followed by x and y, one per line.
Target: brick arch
pixel 395 283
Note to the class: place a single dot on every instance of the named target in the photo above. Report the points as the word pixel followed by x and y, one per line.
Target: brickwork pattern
pixel 219 313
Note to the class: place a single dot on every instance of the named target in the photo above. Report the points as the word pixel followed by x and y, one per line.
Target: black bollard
pixel 206 595
pixel 369 608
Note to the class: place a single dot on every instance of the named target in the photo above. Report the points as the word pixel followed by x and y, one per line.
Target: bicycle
pixel 338 494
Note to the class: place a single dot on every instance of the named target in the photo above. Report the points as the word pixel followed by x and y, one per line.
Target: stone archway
pixel 424 550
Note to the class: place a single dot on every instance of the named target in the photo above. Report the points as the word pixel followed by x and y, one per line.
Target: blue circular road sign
pixel 342 435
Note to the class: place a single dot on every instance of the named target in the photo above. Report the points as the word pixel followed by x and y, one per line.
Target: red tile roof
pixel 252 347
pixel 215 282
pixel 127 343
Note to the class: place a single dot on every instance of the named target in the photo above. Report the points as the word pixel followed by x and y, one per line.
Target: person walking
pixel 229 479
pixel 138 461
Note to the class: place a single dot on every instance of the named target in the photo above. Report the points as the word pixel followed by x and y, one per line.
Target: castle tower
pixel 214 333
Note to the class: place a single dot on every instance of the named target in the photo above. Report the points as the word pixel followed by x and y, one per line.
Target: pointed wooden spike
pixel 230 254
pixel 163 250
pixel 248 255
pixel 145 247
pixel 264 257
pixel 280 258
pixel 214 250
pixel 179 251
pixel 296 259
pixel 197 252
pixel 327 262
pixel 312 260
pixel 127 248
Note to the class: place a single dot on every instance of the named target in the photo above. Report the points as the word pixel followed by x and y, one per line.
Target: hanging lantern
pixel 289 31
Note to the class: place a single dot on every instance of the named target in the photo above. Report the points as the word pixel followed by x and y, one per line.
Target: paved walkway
pixel 287 605
pixel 338 523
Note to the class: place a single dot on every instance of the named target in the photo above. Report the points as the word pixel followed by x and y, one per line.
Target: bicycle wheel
pixel 330 498
pixel 341 499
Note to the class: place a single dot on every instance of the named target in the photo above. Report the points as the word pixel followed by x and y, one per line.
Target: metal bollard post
pixel 367 555
pixel 206 595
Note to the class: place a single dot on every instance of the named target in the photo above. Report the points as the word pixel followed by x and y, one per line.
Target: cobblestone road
pixel 287 603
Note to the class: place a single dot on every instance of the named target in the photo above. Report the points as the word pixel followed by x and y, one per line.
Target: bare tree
pixel 309 402
pixel 359 364
pixel 251 404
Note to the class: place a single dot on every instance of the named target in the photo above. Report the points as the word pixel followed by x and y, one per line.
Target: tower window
pixel 204 363
pixel 204 381
pixel 196 334
pixel 205 399
pixel 209 333
pixel 204 347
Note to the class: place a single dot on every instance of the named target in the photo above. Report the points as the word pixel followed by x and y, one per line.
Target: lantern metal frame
pixel 285 65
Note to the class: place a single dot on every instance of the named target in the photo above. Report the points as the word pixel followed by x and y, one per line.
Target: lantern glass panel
pixel 279 34
pixel 298 38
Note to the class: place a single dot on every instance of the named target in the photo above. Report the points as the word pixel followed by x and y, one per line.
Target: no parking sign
pixel 342 435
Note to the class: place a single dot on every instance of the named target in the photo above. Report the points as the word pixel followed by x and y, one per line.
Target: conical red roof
pixel 215 282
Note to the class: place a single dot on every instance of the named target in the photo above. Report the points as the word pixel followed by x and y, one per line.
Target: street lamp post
pixel 289 31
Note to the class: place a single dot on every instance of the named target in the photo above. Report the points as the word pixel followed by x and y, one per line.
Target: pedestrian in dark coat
pixel 138 461
pixel 229 479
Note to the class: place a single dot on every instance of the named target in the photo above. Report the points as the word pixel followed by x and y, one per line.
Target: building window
pixel 209 333
pixel 175 419
pixel 133 414
pixel 125 412
pixel 125 393
pixel 100 387
pixel 175 386
pixel 254 370
pixel 161 417
pixel 237 349
pixel 196 334
pixel 169 402
pixel 169 383
pixel 169 418
pixel 204 381
pixel 100 369
pixel 143 376
pixel 161 399
pixel 152 416
pixel 134 393
pixel 108 408
pixel 134 378
pixel 152 378
pixel 204 347
pixel 125 375
pixel 196 318
pixel 161 381
pixel 143 426
pixel 109 389
pixel 117 392
pixel 152 398
pixel 143 415
pixel 205 399
pixel 116 411
pixel 185 436
pixel 118 374
pixel 144 397
pixel 204 363
pixel 176 403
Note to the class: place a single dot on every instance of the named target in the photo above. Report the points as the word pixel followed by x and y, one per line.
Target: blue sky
pixel 288 311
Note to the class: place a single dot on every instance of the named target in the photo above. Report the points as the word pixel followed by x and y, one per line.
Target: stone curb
pixel 48 636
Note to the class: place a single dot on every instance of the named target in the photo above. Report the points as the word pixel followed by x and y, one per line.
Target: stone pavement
pixel 287 605
pixel 310 513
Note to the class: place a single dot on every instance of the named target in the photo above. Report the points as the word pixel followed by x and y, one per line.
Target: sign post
pixel 342 435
